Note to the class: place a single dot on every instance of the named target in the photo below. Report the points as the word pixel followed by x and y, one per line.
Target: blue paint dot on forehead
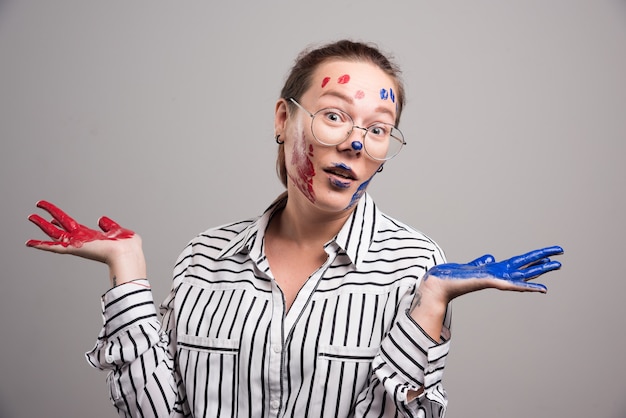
pixel 392 95
pixel 384 94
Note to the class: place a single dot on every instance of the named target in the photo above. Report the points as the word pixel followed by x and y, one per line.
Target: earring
pixel 278 141
pixel 380 169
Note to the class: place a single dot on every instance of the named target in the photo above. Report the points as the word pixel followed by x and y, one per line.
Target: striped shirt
pixel 226 346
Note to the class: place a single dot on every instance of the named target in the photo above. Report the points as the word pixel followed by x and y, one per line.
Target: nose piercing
pixel 357 145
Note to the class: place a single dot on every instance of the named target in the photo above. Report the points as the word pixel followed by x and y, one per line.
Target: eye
pixel 333 116
pixel 380 131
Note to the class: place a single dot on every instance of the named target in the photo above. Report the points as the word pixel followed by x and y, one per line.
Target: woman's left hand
pixel 444 282
pixel 452 280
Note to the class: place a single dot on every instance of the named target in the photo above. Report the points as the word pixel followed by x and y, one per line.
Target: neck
pixel 305 225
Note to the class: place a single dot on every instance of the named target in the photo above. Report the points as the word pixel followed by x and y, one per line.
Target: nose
pixel 352 142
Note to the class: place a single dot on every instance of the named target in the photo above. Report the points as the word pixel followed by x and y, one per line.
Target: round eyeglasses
pixel 331 127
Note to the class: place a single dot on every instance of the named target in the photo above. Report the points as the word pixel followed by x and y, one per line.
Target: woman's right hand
pixel 118 247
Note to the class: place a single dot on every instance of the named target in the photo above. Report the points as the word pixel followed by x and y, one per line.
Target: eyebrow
pixel 350 100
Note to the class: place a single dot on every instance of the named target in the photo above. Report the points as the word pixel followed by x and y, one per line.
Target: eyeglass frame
pixel 313 115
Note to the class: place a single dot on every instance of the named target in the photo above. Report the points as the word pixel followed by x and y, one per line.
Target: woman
pixel 323 306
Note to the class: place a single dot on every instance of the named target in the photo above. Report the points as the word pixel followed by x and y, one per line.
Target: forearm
pixel 134 348
pixel 129 315
pixel 429 313
pixel 411 365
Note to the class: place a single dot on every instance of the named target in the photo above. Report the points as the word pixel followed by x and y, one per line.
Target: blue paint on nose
pixel 357 145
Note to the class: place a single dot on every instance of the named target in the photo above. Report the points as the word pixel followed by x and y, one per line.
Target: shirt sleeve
pixel 410 360
pixel 407 360
pixel 131 347
pixel 138 351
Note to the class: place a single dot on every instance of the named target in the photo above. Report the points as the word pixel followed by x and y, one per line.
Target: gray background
pixel 161 117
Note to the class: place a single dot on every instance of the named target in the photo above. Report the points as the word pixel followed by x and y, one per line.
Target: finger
pixel 34 243
pixel 539 269
pixel 66 221
pixel 55 246
pixel 49 229
pixel 538 262
pixel 536 287
pixel 485 259
pixel 533 256
pixel 107 224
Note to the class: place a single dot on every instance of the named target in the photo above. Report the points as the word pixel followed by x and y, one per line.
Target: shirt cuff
pixel 125 305
pixel 413 355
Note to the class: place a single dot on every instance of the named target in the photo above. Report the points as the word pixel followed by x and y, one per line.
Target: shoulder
pixel 222 236
pixel 393 234
pixel 225 232
pixel 227 240
pixel 211 243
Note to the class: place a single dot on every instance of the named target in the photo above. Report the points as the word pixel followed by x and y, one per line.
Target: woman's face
pixel 333 178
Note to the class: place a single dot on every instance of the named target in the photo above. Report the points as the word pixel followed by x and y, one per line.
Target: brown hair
pixel 299 79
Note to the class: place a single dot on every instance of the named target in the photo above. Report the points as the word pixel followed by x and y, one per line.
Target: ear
pixel 281 114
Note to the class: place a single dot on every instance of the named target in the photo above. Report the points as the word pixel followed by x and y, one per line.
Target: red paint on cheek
pixel 343 79
pixel 359 94
pixel 304 171
pixel 325 81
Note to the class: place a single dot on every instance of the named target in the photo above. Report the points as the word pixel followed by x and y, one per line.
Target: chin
pixel 336 202
pixel 329 197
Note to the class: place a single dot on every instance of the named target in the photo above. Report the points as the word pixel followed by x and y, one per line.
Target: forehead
pixel 358 80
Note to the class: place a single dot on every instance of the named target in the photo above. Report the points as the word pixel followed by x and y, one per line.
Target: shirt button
pixel 275 404
pixel 277 348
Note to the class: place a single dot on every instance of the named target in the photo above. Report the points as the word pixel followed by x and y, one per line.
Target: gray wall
pixel 160 116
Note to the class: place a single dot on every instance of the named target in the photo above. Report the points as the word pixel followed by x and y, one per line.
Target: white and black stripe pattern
pixel 347 347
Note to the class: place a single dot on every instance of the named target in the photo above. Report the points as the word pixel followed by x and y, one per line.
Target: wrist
pixel 429 304
pixel 430 310
pixel 126 267
pixel 433 293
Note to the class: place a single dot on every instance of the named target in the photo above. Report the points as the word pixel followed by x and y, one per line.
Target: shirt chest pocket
pixel 208 345
pixel 341 369
pixel 209 370
pixel 347 354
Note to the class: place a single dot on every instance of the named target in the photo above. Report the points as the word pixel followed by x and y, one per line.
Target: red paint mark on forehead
pixel 359 94
pixel 325 81
pixel 343 79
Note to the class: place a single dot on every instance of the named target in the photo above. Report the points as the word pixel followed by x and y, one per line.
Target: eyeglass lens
pixel 381 141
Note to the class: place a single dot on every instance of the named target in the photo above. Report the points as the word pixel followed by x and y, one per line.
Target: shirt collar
pixel 354 237
pixel 357 234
